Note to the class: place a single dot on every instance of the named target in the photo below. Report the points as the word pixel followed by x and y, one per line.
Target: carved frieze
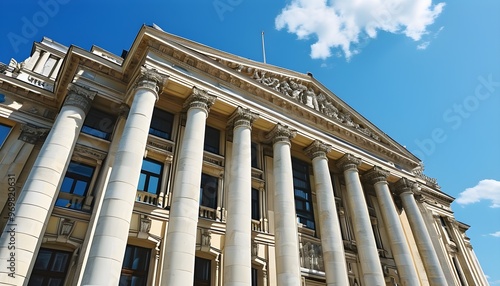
pixel 31 134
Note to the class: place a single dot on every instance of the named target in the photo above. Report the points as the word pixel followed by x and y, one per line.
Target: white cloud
pixel 423 45
pixel 488 190
pixel 495 234
pixel 341 23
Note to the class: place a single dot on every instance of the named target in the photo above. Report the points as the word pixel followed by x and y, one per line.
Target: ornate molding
pixel 375 175
pixel 150 79
pixel 242 117
pixel 201 99
pixel 404 185
pixel 419 173
pixel 80 97
pixel 88 152
pixel 348 162
pixel 317 149
pixel 280 133
pixel 31 133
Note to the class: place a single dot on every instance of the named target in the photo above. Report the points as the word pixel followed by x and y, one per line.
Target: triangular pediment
pixel 297 94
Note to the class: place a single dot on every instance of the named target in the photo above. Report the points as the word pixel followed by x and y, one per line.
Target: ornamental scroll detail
pixel 307 95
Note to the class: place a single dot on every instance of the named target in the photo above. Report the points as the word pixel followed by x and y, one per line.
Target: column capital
pixel 280 133
pixel 31 133
pixel 80 96
pixel 242 117
pixel 201 99
pixel 348 162
pixel 317 149
pixel 404 185
pixel 150 79
pixel 376 174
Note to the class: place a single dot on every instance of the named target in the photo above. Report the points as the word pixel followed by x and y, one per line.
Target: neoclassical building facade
pixel 178 164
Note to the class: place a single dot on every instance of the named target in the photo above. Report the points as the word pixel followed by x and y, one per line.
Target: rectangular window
pixel 302 190
pixel 75 185
pixel 161 124
pixel 208 191
pixel 4 132
pixel 255 155
pixel 255 204
pixel 150 178
pixel 212 140
pixel 135 266
pixel 50 267
pixel 202 272
pixel 99 124
pixel 255 277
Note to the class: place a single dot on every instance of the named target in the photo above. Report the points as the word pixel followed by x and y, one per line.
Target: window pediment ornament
pixel 31 133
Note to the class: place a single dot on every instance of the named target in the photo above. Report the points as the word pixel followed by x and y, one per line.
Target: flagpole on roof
pixel 263 48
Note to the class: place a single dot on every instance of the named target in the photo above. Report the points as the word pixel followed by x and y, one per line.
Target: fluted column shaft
pixel 178 267
pixel 367 249
pixel 107 251
pixel 399 246
pixel 237 247
pixel 424 242
pixel 34 205
pixel 331 236
pixel 285 218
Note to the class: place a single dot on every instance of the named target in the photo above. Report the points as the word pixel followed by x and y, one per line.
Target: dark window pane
pixel 255 280
pixel 80 188
pixel 202 272
pixel 212 140
pixel 255 204
pixel 50 268
pixel 161 124
pixel 302 191
pixel 208 191
pixel 142 182
pixel 99 124
pixel 67 184
pixel 255 155
pixel 135 266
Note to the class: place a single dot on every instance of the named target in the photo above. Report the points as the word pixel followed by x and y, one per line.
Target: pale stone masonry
pixel 178 164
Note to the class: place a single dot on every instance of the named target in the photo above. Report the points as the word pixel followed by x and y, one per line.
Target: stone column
pixel 285 218
pixel 399 246
pixel 237 246
pixel 365 241
pixel 35 203
pixel 424 243
pixel 14 161
pixel 41 62
pixel 331 236
pixel 105 259
pixel 178 267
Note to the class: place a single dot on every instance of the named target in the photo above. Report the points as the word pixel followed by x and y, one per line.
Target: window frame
pixel 129 272
pixel 98 115
pixel 210 134
pixel 160 117
pixel 50 274
pixel 208 280
pixel 304 216
pixel 76 177
pixel 150 174
pixel 203 182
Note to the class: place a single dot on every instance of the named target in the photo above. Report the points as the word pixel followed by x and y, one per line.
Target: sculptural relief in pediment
pixel 306 94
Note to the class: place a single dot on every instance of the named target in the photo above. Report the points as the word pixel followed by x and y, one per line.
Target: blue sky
pixel 427 74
